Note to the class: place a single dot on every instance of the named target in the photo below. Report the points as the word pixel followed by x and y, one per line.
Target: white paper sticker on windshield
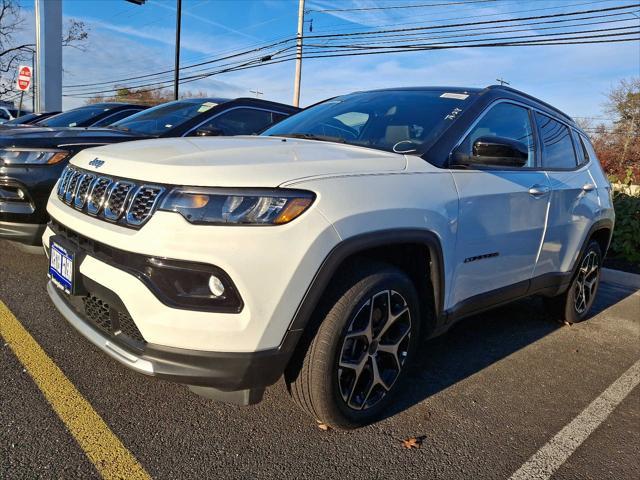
pixel 206 106
pixel 457 96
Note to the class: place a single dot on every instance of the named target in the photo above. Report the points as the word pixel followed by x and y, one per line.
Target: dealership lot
pixel 487 396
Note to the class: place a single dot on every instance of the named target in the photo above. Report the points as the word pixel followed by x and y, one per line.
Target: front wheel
pixel 354 366
pixel 573 306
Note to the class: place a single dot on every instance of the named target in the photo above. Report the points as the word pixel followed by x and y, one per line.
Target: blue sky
pixel 127 40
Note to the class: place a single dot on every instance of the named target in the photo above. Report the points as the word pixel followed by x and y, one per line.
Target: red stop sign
pixel 24 78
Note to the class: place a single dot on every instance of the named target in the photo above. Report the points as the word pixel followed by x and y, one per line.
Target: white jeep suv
pixel 329 248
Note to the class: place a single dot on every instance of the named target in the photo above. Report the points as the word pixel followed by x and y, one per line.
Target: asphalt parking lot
pixel 487 397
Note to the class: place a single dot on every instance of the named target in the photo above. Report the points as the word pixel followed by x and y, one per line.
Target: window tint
pixel 277 117
pixel 162 118
pixel 557 146
pixel 3 114
pixel 240 121
pixel 78 117
pixel 590 153
pixel 504 120
pixel 114 118
pixel 22 119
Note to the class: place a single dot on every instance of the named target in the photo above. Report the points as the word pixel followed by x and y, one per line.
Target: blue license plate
pixel 61 267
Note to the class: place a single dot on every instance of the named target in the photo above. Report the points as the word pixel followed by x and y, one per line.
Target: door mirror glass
pixel 495 152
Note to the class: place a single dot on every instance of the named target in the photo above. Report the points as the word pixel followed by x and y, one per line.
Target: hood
pixel 54 137
pixel 243 161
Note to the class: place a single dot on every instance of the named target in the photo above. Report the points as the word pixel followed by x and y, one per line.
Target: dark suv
pixel 31 160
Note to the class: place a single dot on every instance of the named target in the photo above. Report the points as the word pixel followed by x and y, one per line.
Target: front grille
pixel 111 320
pixel 125 202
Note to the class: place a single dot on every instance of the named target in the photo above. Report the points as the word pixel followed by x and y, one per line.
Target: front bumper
pixel 221 370
pixel 24 192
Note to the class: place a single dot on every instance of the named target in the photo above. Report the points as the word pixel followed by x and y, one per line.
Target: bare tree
pixel 13 54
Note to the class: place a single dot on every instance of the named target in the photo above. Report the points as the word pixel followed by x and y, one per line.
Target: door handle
pixel 538 190
pixel 588 187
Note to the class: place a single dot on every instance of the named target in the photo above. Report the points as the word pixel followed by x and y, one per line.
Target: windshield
pixel 78 117
pixel 161 118
pixel 398 120
pixel 22 119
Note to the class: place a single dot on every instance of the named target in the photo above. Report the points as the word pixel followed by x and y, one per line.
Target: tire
pixel 334 377
pixel 573 305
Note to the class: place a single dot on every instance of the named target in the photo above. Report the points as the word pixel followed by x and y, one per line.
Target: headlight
pixel 11 156
pixel 237 206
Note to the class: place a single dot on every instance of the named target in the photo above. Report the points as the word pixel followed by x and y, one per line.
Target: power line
pixel 377 45
pixel 568 41
pixel 397 7
pixel 378 34
pixel 483 22
pixel 341 26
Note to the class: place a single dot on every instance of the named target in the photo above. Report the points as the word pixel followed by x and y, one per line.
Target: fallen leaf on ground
pixel 323 426
pixel 413 442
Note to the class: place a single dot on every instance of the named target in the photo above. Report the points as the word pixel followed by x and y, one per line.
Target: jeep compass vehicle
pixel 331 247
pixel 31 159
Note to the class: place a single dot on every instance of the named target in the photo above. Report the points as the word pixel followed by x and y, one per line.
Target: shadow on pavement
pixel 479 341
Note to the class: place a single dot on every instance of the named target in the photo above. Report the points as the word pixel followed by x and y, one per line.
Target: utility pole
pixel 176 73
pixel 296 84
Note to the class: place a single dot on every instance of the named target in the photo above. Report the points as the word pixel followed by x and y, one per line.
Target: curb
pixel 620 278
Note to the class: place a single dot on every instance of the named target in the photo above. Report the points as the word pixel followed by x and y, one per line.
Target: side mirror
pixel 209 132
pixel 494 152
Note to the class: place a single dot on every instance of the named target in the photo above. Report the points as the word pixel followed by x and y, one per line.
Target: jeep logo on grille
pixel 96 163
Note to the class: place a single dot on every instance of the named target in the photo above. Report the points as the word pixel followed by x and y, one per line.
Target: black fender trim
pixel 548 284
pixel 359 243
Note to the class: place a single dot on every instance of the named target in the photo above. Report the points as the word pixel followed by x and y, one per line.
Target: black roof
pixel 490 88
pixel 531 97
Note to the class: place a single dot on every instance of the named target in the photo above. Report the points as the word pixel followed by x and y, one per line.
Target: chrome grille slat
pixel 142 204
pixel 70 189
pixel 116 201
pixel 83 190
pixel 124 202
pixel 97 194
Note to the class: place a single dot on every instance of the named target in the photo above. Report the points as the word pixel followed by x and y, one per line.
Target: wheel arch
pixel 601 231
pixel 379 245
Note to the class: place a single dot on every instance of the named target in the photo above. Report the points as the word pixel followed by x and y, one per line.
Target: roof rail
pixel 531 97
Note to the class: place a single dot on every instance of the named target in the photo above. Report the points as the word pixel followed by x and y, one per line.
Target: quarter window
pixel 590 153
pixel 557 146
pixel 504 120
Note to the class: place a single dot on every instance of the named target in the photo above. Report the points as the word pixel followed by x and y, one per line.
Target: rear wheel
pixel 573 306
pixel 355 363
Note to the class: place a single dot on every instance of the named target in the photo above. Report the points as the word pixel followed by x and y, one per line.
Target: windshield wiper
pixel 311 136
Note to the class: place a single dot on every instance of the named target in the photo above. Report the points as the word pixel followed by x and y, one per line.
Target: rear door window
pixel 557 144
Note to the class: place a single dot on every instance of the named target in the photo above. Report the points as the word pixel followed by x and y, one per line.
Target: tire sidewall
pixel 334 332
pixel 570 313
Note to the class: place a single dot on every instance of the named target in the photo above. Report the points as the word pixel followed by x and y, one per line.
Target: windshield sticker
pixel 454 113
pixel 206 106
pixel 456 96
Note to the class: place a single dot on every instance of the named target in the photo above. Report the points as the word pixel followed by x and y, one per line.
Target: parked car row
pixel 328 249
pixel 33 158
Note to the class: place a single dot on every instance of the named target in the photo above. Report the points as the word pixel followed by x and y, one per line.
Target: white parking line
pixel 552 455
